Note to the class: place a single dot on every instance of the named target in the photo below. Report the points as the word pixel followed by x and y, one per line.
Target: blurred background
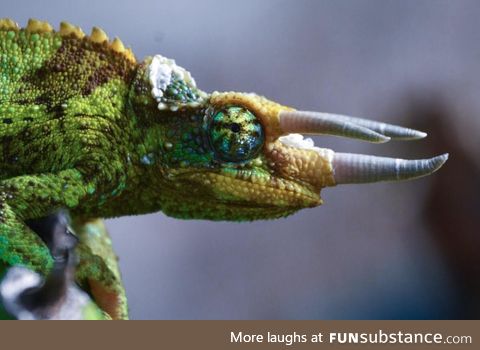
pixel 396 251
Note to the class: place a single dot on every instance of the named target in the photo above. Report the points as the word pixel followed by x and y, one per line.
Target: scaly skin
pixel 83 129
pixel 62 107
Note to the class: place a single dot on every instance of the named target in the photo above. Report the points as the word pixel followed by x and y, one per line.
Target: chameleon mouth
pixel 357 168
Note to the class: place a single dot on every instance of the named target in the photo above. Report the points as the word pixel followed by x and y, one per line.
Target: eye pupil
pixel 235 127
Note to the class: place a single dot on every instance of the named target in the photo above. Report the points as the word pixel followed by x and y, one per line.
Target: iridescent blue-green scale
pixel 178 90
pixel 235 134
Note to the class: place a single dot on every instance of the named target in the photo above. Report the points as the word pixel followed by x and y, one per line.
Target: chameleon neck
pixel 161 137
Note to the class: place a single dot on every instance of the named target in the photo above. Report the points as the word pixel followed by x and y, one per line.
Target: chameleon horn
pixel 391 131
pixel 395 132
pixel 360 168
pixel 320 123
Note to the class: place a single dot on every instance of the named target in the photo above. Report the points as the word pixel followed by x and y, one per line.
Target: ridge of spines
pixel 68 30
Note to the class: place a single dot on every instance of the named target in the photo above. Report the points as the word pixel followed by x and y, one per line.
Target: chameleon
pixel 88 129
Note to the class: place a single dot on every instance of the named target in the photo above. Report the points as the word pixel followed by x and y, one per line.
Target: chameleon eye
pixel 235 134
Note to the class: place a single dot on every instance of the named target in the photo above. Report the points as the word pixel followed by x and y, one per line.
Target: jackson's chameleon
pixel 86 128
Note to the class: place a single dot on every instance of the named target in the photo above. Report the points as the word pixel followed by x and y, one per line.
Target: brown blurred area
pixel 451 208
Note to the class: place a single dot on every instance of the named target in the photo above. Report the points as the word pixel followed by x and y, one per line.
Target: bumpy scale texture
pixel 86 128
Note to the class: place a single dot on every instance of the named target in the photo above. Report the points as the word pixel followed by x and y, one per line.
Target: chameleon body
pixel 86 128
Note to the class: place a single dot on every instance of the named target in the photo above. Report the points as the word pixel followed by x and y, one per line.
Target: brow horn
pixel 339 125
pixel 395 132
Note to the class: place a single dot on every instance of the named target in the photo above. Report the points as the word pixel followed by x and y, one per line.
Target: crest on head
pixel 173 86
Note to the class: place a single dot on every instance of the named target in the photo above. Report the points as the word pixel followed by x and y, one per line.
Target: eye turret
pixel 234 133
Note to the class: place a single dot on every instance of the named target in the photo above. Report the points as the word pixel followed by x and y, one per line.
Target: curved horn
pixel 395 132
pixel 360 168
pixel 342 125
pixel 319 123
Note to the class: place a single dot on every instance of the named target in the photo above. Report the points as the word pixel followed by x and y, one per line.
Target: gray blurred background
pixel 407 250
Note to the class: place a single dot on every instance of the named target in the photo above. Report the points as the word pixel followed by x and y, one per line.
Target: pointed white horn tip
pixel 438 161
pixel 420 135
pixel 410 135
pixel 373 137
pixel 383 139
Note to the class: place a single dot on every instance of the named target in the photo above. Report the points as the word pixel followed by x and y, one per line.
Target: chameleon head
pixel 240 156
